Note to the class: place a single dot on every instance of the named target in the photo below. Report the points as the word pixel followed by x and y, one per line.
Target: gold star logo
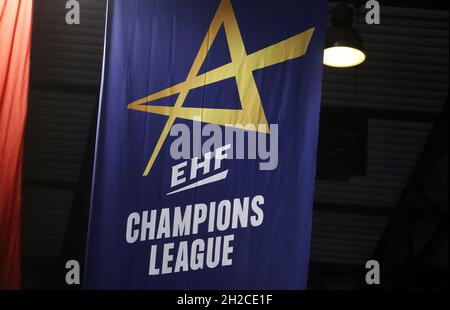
pixel 241 68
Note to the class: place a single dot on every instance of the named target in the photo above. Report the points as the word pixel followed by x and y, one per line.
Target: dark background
pixel 382 179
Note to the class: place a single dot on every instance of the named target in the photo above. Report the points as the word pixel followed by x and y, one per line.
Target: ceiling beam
pixel 394 249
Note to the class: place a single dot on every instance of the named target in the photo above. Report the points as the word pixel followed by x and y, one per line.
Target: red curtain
pixel 15 40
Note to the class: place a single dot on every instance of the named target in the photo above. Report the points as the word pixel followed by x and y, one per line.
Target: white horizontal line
pixel 211 179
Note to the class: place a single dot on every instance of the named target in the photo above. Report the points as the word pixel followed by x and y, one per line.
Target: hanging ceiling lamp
pixel 343 47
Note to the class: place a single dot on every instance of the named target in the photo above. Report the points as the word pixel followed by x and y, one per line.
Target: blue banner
pixel 206 144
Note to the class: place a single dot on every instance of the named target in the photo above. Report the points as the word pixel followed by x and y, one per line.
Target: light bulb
pixel 343 56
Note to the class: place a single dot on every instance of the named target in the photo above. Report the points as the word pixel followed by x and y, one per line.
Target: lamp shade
pixel 343 47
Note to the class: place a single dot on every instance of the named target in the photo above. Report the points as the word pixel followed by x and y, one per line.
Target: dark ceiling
pixel 382 179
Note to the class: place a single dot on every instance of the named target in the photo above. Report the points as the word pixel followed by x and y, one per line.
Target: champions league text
pixel 187 254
